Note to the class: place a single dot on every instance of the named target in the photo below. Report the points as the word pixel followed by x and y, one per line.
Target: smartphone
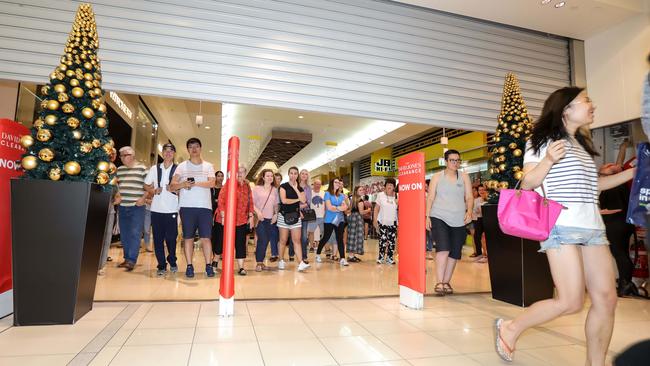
pixel 190 179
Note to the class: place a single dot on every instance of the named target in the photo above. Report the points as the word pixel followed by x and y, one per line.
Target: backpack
pixel 171 174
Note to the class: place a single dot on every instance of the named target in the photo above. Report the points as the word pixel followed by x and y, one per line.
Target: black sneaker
pixel 189 272
pixel 209 271
pixel 161 272
pixel 291 259
pixel 173 269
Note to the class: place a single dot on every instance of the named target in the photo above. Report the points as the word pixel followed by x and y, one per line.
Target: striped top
pixel 573 182
pixel 130 182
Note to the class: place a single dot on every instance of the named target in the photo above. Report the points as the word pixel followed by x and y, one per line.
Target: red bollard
pixel 227 282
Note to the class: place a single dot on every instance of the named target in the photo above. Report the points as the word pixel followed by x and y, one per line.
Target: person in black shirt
pixel 613 208
pixel 217 228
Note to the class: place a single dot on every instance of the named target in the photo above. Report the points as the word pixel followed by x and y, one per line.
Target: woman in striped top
pixel 559 156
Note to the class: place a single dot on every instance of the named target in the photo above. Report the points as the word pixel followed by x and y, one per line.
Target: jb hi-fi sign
pixel 385 166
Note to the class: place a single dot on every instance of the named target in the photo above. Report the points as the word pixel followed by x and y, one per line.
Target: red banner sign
pixel 10 153
pixel 411 233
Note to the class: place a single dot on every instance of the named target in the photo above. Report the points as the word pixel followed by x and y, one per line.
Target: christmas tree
pixel 507 154
pixel 69 140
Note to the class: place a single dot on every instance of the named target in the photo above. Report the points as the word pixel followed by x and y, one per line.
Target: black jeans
pixel 165 230
pixel 329 228
pixel 618 233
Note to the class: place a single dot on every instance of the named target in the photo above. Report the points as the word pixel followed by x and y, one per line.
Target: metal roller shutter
pixel 368 58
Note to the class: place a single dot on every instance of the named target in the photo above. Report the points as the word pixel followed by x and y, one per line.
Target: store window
pixel 145 139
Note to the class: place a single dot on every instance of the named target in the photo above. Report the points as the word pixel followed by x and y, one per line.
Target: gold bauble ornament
pixel 88 66
pixel 88 76
pixel 69 73
pixel 512 145
pixel 72 168
pixel 502 158
pixel 519 130
pixel 102 108
pixel 77 92
pixel 509 118
pixel 62 66
pixel 112 168
pixel 503 185
pixel 497 139
pixel 76 134
pixel 62 97
pixel 98 92
pixel 38 124
pixel 43 135
pixel 516 135
pixel 45 90
pixel 59 88
pixel 54 173
pixel 103 166
pixel 114 181
pixel 502 149
pixel 517 153
pixel 52 105
pixel 74 83
pixel 502 167
pixel 111 142
pixel 102 178
pixel 96 102
pixel 100 122
pixel 96 143
pixel 73 122
pixel 86 147
pixel 91 93
pixel 29 162
pixel 517 118
pixel 96 83
pixel 107 148
pixel 88 84
pixel 67 108
pixel 46 154
pixel 53 75
pixel 519 175
pixel 88 112
pixel 516 168
pixel 26 141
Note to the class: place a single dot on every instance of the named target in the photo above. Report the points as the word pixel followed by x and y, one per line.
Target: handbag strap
pixel 267 198
pixel 519 189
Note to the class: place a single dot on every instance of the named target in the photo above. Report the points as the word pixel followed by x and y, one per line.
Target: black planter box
pixel 57 233
pixel 519 275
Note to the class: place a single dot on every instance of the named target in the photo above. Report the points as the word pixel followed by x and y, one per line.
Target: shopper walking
pixel 275 232
pixel 289 223
pixel 334 208
pixel 193 179
pixel 613 207
pixel 110 222
pixel 130 183
pixel 479 230
pixel 355 228
pixel 317 203
pixel 164 210
pixel 451 201
pixel 217 228
pixel 385 222
pixel 304 232
pixel 244 213
pixel 265 199
pixel 559 156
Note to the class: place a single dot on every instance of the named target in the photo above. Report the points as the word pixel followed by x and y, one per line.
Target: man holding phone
pixel 164 209
pixel 193 179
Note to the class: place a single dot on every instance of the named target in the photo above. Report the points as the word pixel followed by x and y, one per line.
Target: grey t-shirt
pixel 449 203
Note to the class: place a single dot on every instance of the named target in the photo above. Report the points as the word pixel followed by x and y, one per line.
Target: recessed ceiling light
pixel 381 142
pixel 207 127
pixel 544 2
pixel 287 142
pixel 342 160
pixel 301 117
pixel 210 150
pixel 560 4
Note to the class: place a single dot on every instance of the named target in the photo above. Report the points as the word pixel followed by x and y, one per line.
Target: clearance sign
pixel 411 230
pixel 10 153
pixel 381 163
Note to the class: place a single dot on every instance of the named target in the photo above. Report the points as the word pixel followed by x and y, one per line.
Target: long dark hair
pixel 550 125
pixel 330 187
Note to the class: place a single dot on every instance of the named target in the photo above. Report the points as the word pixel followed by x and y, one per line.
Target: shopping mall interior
pixel 342 91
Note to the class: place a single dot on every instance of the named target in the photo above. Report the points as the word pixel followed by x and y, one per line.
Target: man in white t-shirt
pixel 317 203
pixel 164 209
pixel 193 179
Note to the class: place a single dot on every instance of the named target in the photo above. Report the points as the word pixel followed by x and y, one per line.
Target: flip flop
pixel 503 350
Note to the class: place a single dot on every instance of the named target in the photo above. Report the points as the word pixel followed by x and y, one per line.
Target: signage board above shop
pixel 124 105
pixel 382 163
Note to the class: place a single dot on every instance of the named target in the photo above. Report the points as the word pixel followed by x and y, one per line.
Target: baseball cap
pixel 168 145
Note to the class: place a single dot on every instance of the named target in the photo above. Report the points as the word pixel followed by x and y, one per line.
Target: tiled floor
pixel 326 280
pixel 455 330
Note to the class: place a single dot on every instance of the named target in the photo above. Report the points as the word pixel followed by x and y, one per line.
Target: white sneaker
pixel 318 259
pixel 343 262
pixel 302 266
pixel 281 264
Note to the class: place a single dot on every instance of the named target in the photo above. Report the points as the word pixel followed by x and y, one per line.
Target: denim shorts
pixel 195 218
pixel 569 235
